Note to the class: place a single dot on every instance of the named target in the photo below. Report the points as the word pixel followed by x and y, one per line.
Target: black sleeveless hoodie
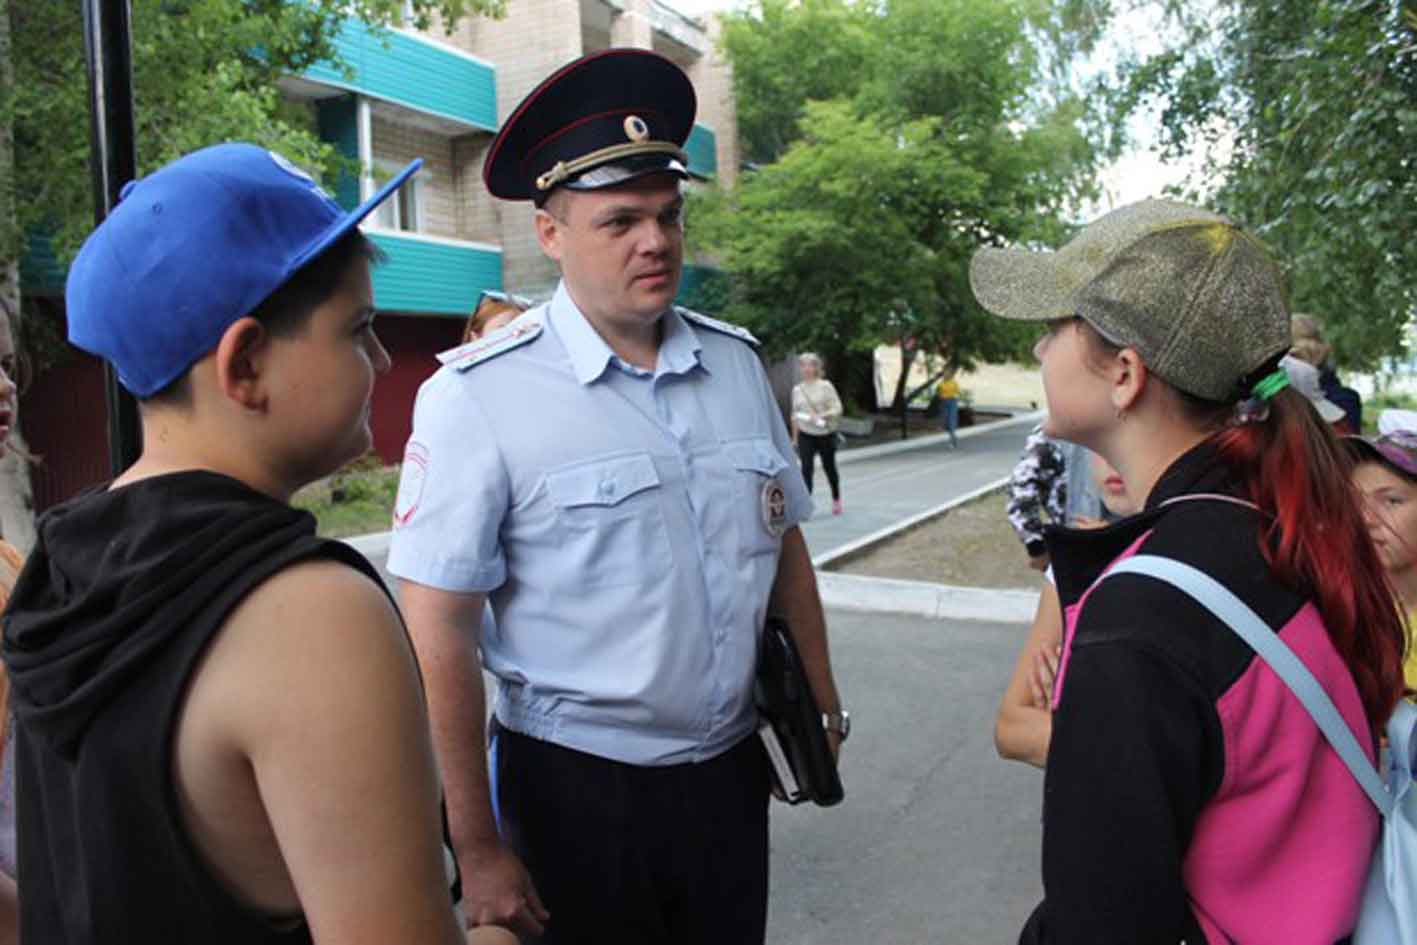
pixel 122 594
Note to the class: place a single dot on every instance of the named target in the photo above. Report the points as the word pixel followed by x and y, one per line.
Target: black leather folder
pixel 785 702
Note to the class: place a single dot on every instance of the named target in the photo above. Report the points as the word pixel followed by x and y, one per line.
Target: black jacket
pixel 1172 754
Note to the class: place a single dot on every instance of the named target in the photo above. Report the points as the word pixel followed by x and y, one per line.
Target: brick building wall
pixel 396 144
pixel 712 76
pixel 477 212
pixel 528 44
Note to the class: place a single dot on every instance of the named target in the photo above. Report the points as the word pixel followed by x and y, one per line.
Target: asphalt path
pixel 880 491
pixel 938 840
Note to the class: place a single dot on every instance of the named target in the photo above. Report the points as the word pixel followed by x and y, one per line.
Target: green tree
pixel 203 71
pixel 894 139
pixel 1307 110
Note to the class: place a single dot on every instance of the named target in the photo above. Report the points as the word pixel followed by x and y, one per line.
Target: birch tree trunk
pixel 16 494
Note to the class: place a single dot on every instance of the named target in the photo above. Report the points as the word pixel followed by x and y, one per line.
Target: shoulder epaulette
pixel 727 328
pixel 504 339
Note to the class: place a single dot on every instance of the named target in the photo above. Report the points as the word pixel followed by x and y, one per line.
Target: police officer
pixel 613 475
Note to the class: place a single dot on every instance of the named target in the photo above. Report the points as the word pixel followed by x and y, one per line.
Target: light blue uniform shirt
pixel 625 523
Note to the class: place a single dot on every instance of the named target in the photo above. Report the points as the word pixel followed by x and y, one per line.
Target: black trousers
pixel 810 446
pixel 629 854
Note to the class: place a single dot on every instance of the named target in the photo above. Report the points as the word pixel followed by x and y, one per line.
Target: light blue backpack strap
pixel 1237 615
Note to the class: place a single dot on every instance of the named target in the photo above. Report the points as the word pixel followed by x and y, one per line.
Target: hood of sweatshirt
pixel 115 575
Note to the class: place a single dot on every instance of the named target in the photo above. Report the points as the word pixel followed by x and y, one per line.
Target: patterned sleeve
pixel 1036 488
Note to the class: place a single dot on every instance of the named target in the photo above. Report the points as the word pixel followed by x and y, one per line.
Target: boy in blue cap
pixel 220 732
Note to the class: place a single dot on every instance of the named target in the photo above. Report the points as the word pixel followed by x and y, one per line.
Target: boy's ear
pixel 240 363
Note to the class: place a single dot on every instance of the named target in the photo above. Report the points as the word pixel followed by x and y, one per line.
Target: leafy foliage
pixel 1308 112
pixel 893 138
pixel 203 71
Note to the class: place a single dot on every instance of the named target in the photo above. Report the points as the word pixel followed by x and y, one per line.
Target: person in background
pixel 816 416
pixel 948 393
pixel 1304 378
pixel 1188 795
pixel 1309 345
pixel 1385 473
pixel 493 310
pixel 1052 481
pixel 10 564
pixel 1025 722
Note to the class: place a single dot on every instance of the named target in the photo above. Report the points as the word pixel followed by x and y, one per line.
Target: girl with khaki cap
pixel 1189 795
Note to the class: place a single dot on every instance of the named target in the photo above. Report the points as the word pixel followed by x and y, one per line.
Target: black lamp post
pixel 108 48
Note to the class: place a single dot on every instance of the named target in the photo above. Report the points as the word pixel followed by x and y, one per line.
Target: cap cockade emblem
pixel 635 128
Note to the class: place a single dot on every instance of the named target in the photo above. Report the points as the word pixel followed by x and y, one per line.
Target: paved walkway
pixel 883 486
pixel 938 839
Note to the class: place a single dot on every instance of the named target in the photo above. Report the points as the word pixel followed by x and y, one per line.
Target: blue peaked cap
pixel 192 248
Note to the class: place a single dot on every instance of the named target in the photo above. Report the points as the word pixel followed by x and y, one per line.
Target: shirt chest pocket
pixel 759 500
pixel 610 521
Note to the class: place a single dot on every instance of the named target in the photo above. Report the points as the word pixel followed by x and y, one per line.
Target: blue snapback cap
pixel 193 247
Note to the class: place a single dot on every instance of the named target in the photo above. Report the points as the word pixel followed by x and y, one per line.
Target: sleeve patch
pixel 416 459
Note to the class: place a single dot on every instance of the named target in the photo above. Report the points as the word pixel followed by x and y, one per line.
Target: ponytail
pixel 1315 539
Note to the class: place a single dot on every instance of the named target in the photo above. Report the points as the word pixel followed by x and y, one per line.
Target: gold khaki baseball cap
pixel 1200 300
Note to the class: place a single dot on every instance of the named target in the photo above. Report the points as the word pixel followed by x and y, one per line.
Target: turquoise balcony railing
pixel 432 276
pixel 41 272
pixel 703 289
pixel 414 72
pixel 702 148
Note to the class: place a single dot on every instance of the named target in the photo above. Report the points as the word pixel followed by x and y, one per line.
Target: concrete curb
pixel 923 599
pixel 844 457
pixel 895 528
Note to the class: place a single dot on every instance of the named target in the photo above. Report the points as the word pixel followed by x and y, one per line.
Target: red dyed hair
pixel 1294 468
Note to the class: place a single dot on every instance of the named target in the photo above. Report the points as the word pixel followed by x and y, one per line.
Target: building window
pixel 404 210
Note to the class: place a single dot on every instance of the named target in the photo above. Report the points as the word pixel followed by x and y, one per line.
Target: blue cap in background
pixel 193 247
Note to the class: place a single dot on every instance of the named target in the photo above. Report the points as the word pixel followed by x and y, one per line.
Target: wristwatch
pixel 839 722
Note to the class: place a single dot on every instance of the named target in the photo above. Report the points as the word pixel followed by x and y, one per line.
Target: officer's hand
pixel 497 890
pixel 491 935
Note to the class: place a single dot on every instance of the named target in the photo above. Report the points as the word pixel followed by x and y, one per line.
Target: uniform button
pixel 607 487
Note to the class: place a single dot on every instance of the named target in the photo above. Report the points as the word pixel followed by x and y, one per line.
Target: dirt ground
pixel 970 546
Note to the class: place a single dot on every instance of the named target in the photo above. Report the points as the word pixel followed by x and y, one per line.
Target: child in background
pixel 10 564
pixel 948 393
pixel 493 310
pixel 1385 472
pixel 1025 720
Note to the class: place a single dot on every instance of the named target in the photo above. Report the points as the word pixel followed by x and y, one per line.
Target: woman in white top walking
pixel 816 414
